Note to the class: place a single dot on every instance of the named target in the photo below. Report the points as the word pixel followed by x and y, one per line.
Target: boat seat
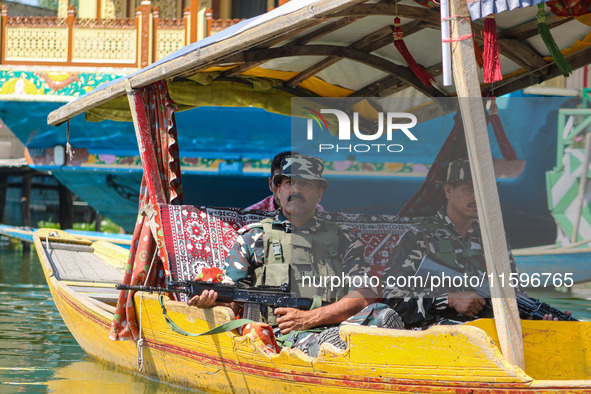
pixel 196 237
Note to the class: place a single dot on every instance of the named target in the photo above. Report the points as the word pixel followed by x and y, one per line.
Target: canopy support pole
pixel 494 242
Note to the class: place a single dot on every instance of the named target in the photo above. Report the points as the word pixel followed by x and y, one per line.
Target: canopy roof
pixel 336 48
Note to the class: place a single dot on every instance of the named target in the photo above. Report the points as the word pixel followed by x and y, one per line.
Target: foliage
pixel 47 224
pixel 49 4
pixel 54 4
pixel 107 226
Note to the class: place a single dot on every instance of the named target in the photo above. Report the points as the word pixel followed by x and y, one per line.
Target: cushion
pixel 197 237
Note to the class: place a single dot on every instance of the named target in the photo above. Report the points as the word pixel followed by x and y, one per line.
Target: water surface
pixel 37 352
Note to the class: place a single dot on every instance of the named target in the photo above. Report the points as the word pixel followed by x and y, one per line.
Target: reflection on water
pixel 97 378
pixel 38 354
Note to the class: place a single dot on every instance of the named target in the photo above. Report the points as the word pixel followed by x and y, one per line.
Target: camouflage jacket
pixel 437 237
pixel 247 252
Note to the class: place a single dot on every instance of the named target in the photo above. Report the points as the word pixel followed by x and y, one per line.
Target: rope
pixel 69 149
pixel 455 17
pixel 51 234
pixel 461 38
pixel 140 341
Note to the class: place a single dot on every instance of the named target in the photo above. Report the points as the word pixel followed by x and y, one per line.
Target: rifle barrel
pixel 152 289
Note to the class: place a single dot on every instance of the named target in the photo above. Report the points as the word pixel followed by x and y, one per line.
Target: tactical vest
pixel 289 257
pixel 449 251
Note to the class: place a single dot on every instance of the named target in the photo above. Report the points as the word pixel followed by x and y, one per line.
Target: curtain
pixel 156 116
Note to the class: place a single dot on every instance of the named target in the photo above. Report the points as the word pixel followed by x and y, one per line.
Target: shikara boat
pixel 82 275
pixel 306 49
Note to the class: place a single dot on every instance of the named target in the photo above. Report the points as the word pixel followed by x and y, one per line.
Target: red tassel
pixel 477 52
pixel 492 64
pixel 504 145
pixel 426 78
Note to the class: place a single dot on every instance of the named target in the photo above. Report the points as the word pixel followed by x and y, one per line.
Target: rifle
pixel 529 308
pixel 254 298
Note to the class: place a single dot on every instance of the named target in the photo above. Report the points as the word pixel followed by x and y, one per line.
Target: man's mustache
pixel 296 195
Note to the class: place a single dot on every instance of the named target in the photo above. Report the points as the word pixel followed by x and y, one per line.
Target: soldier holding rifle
pixel 300 242
pixel 452 238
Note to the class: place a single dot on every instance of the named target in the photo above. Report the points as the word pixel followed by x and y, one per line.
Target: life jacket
pixel 291 256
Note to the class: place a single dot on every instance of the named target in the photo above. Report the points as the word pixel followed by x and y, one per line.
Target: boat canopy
pixel 328 48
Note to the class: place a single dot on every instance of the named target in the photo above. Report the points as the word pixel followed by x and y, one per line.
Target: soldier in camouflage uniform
pixel 296 243
pixel 452 238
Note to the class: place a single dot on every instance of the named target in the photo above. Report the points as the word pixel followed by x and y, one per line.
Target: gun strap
pixel 316 302
pixel 229 326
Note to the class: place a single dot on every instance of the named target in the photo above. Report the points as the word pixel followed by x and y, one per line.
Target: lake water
pixel 38 354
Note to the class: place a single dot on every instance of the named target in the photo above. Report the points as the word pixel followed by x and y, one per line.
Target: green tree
pixel 49 4
pixel 53 4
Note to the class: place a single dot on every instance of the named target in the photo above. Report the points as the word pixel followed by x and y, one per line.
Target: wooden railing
pixel 71 41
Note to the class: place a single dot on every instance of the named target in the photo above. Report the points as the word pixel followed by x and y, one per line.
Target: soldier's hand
pixel 205 300
pixel 467 303
pixel 548 316
pixel 292 319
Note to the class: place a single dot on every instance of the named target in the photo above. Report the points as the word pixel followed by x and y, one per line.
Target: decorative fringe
pixel 504 145
pixel 492 64
pixel 559 59
pixel 426 78
pixel 477 52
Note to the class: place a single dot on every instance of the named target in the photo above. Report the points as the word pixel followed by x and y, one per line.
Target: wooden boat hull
pixel 443 359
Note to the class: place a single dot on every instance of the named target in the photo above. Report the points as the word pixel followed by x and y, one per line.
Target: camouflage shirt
pixel 247 252
pixel 438 237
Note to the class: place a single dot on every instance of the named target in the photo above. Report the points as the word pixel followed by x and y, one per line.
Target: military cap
pixel 459 171
pixel 302 167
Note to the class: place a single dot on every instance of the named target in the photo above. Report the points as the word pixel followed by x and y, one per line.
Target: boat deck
pixel 79 263
pixel 84 272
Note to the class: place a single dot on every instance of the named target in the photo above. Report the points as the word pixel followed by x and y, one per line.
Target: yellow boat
pixel 265 62
pixel 464 358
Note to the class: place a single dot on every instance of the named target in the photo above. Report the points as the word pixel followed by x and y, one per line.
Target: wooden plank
pixel 523 55
pixel 521 81
pixel 64 267
pixel 369 43
pixel 72 247
pixel 403 73
pixel 418 13
pixel 249 66
pixel 324 30
pixel 494 243
pixel 70 265
pixel 374 89
pixel 312 70
pixel 283 24
pixel 529 29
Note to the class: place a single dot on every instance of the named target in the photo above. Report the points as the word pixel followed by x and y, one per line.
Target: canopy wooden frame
pixel 300 32
pixel 270 40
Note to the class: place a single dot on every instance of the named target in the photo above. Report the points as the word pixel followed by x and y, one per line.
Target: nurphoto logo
pixel 387 123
